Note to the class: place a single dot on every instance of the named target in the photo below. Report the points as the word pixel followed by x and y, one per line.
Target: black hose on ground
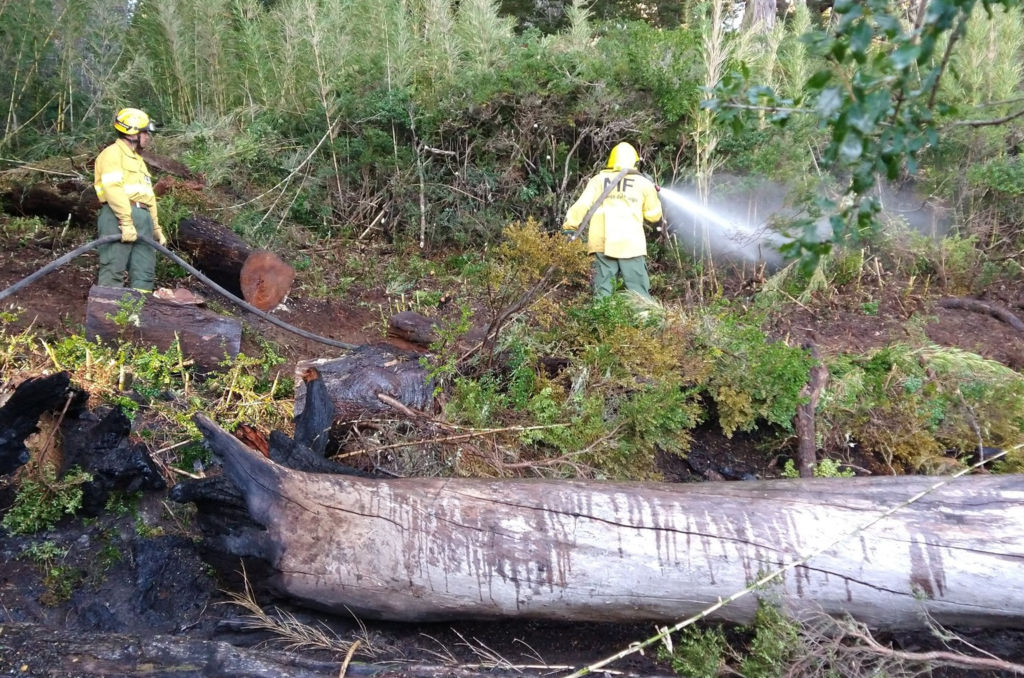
pixel 25 282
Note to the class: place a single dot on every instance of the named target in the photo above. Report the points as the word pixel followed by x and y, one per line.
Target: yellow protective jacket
pixel 617 227
pixel 122 178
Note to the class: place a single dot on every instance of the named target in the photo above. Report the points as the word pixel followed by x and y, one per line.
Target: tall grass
pixel 986 65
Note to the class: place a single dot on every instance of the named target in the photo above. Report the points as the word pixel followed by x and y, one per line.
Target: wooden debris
pixel 413 327
pixel 205 337
pixel 443 548
pixel 355 380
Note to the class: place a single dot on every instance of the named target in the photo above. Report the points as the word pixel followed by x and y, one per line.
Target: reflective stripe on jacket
pixel 617 227
pixel 122 178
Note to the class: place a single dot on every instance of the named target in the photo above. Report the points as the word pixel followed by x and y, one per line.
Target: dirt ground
pixel 159 584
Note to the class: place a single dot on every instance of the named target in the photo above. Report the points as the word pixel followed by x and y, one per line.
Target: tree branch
pixel 989 123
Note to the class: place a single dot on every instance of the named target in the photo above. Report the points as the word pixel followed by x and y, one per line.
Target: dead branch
pixel 978 306
pixel 804 420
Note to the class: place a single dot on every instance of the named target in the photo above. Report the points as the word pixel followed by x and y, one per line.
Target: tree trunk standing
pixel 258 276
pixel 807 446
pixel 759 15
pixel 205 337
pixel 444 548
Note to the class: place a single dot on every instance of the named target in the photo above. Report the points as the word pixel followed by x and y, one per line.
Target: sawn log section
pixel 435 549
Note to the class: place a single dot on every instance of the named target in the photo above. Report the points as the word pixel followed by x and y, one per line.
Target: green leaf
pixel 829 101
pixel 905 56
pixel 860 40
pixel 852 147
pixel 819 79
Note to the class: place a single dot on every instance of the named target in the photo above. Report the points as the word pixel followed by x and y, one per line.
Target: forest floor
pixel 119 579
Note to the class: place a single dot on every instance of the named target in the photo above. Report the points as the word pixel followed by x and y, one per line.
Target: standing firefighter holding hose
pixel 616 237
pixel 125 187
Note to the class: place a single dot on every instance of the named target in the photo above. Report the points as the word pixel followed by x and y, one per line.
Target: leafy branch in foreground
pixel 877 97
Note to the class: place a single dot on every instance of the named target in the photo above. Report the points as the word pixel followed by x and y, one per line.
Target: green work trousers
pixel 135 257
pixel 633 270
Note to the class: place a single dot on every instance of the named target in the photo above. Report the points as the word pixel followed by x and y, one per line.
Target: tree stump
pixel 205 337
pixel 356 381
pixel 225 259
pixel 19 416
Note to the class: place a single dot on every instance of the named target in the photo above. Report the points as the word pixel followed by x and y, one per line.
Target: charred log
pixel 413 327
pixel 313 423
pixel 162 163
pixel 87 655
pixel 103 449
pixel 223 257
pixel 294 455
pixel 19 416
pixel 443 548
pixel 355 381
pixel 204 336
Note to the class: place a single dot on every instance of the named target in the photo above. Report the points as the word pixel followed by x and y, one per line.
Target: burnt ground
pixel 144 573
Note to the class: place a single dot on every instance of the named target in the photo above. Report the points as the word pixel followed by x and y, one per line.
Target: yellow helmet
pixel 623 156
pixel 131 121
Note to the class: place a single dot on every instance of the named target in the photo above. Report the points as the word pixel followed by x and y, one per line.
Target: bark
pixel 69 199
pixel 205 337
pixel 224 258
pixel 977 306
pixel 19 416
pixel 759 15
pixel 443 548
pixel 162 163
pixel 355 381
pixel 806 445
pixel 413 327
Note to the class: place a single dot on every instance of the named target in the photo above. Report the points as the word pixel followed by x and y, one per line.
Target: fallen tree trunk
pixel 74 200
pixel 444 548
pixel 355 381
pixel 74 653
pixel 205 337
pixel 260 277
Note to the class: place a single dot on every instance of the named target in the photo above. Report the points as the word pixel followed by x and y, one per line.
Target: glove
pixel 158 235
pixel 568 232
pixel 128 233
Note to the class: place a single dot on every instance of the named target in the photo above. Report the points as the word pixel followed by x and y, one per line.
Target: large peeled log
pixel 443 548
pixel 260 277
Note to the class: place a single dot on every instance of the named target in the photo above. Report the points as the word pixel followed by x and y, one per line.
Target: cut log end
pixel 266 279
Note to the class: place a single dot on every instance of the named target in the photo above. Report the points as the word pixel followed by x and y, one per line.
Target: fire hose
pixel 54 265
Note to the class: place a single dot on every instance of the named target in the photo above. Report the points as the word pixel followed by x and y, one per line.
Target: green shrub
pixel 910 405
pixel 41 502
pixel 753 379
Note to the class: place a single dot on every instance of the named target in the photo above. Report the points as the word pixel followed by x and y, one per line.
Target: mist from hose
pixel 738 220
pixel 705 230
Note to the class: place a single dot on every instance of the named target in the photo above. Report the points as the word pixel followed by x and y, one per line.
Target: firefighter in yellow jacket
pixel 616 237
pixel 125 188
